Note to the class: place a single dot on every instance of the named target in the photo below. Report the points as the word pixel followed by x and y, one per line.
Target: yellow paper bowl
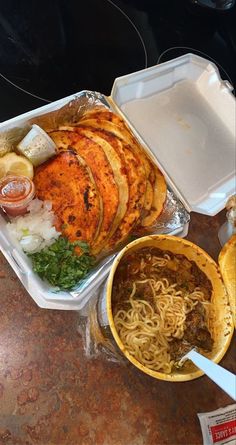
pixel 222 317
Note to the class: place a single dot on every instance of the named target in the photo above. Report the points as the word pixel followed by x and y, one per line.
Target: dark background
pixel 54 48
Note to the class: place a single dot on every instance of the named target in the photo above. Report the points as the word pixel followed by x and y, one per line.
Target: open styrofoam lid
pixel 185 114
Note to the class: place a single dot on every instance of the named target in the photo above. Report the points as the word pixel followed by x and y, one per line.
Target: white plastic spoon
pixel 223 378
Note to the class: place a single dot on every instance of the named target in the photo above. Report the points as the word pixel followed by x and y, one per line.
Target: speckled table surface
pixel 51 394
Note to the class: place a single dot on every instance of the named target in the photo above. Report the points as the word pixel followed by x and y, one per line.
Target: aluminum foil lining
pixel 173 216
pixel 70 113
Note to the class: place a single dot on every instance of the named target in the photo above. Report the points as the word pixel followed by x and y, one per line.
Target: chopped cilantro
pixel 60 265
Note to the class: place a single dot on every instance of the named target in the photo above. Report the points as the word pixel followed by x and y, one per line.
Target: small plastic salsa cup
pixel 16 192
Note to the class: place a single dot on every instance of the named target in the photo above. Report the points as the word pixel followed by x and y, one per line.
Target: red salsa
pixel 16 192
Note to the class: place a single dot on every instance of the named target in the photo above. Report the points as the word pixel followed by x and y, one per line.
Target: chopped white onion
pixel 35 230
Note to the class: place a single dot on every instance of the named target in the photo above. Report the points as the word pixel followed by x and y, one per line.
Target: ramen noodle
pixel 161 305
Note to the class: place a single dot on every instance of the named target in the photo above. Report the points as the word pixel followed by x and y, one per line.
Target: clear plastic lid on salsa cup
pixel 16 192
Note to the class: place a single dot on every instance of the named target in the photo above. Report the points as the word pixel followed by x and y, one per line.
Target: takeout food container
pixel 221 323
pixel 183 114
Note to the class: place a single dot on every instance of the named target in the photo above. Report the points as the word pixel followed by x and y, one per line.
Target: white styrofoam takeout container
pixel 184 115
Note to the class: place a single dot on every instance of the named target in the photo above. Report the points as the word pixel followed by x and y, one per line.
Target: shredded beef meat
pixel 178 349
pixel 196 332
pixel 144 292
